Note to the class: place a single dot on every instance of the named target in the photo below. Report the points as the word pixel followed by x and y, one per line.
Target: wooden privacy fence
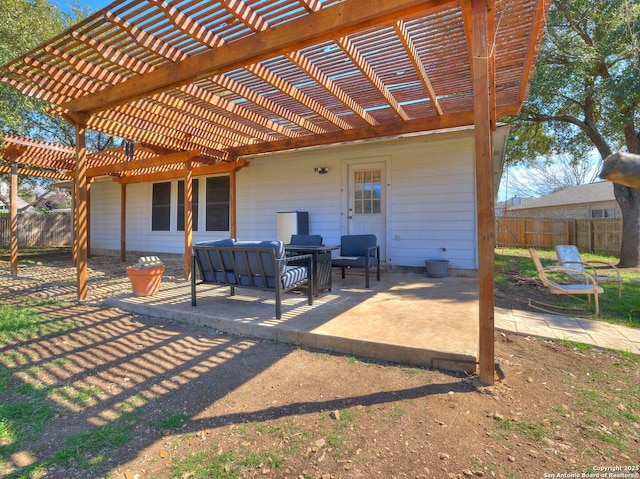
pixel 599 235
pixel 36 230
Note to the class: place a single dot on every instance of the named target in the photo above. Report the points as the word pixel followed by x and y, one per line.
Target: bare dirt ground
pixel 175 400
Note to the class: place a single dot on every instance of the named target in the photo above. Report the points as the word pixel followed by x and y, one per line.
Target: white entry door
pixel 366 211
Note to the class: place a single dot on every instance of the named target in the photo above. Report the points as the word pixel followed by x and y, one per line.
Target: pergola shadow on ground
pixel 154 368
pixel 406 317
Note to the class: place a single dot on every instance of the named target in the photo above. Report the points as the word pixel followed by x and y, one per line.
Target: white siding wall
pixel 430 200
pixel 105 215
pixel 139 234
pixel 430 203
pixel 287 182
pixel 433 203
pixel 105 220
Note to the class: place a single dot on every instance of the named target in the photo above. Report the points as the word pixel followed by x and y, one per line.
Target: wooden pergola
pixel 204 83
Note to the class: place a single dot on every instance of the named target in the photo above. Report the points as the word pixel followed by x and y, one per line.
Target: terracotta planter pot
pixel 145 281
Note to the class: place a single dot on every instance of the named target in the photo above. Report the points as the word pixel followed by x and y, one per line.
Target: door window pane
pixel 367 192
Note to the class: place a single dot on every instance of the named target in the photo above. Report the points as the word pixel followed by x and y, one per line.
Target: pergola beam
pixel 54 175
pixel 326 24
pixel 128 166
pixel 452 120
pixel 218 168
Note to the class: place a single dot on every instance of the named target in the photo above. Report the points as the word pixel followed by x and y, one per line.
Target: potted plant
pixel 146 275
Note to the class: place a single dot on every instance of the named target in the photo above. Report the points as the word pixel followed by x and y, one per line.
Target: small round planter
pixel 145 281
pixel 437 268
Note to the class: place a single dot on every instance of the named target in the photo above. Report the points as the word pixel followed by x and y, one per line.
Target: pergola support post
pixel 13 219
pixel 484 187
pixel 233 228
pixel 188 218
pixel 81 210
pixel 123 222
pixel 88 217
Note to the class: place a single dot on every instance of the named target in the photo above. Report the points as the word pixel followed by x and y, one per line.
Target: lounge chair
pixel 588 285
pixel 603 272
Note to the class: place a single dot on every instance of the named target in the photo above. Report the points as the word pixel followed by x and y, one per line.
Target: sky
pixel 91 5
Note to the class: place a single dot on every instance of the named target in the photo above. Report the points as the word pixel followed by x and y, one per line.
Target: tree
pixel 539 177
pixel 585 96
pixel 25 24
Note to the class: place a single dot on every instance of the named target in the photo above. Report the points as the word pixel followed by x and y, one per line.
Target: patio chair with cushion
pixel 306 240
pixel 603 272
pixel 359 251
pixel 588 286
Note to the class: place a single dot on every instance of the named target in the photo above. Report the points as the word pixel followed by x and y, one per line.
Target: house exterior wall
pixel 430 200
pixel 581 211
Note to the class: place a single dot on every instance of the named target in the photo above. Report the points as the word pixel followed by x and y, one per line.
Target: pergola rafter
pixel 240 119
pixel 405 38
pixel 369 73
pixel 266 104
pixel 189 26
pixel 307 66
pixel 294 93
pixel 336 66
pixel 230 78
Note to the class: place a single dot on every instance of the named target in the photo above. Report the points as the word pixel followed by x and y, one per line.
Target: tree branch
pixel 562 7
pixel 590 130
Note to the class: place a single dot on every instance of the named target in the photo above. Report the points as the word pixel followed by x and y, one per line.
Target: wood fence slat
pixel 597 235
pixel 37 230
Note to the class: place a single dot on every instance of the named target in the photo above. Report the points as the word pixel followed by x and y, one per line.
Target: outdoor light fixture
pixel 128 149
pixel 323 170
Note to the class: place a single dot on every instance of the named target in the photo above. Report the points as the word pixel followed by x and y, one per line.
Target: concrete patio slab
pixel 406 318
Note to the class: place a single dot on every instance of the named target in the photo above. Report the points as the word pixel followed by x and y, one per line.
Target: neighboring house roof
pixel 20 204
pixel 589 193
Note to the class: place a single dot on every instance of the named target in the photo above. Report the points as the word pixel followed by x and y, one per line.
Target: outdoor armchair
pixel 306 240
pixel 588 286
pixel 359 251
pixel 602 272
